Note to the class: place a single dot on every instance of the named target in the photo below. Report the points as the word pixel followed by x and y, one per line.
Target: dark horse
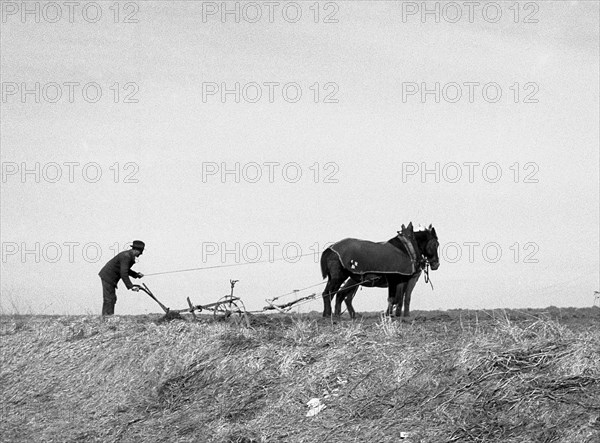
pixel 417 249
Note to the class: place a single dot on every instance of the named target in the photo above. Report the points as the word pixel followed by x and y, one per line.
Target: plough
pixel 229 307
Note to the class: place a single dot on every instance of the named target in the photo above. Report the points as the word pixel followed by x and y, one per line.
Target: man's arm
pixel 134 274
pixel 125 271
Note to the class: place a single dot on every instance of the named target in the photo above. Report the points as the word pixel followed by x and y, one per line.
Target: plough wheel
pixel 231 310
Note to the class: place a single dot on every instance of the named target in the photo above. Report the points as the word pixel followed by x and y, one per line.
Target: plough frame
pixel 229 306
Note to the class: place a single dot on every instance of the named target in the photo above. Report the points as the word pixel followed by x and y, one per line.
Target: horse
pixel 395 264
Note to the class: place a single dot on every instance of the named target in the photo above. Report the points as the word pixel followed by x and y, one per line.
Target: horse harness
pixel 414 257
pixel 419 263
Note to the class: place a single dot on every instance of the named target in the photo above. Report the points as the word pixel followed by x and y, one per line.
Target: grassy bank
pixel 485 377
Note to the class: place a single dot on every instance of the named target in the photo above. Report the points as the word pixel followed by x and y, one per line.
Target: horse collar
pixel 411 250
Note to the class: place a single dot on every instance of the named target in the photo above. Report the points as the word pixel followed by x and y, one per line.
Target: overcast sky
pixel 339 111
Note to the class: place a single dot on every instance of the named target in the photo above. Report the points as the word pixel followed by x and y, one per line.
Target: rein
pixel 426 271
pixel 426 268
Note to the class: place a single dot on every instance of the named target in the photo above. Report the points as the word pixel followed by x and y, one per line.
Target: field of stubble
pixel 451 376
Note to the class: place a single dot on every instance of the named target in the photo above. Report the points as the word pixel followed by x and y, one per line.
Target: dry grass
pixel 469 377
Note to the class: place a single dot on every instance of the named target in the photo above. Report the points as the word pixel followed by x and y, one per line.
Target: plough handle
pixel 147 291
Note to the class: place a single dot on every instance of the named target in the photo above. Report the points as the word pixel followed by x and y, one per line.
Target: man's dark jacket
pixel 119 267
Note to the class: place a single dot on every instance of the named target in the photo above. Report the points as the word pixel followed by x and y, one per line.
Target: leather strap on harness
pixel 411 251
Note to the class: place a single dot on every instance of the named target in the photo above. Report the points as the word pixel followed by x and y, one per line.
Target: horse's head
pixel 427 241
pixel 430 249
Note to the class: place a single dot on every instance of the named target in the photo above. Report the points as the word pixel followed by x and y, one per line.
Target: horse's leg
pixel 339 297
pixel 400 297
pixel 410 285
pixel 327 297
pixel 335 273
pixel 393 285
pixel 332 287
pixel 390 307
pixel 347 294
pixel 391 301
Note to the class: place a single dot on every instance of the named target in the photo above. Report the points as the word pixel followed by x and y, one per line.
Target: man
pixel 119 268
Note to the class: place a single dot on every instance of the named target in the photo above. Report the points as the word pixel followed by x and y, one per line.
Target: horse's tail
pixel 324 262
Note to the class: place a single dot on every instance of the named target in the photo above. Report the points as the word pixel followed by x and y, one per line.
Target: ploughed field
pixel 447 376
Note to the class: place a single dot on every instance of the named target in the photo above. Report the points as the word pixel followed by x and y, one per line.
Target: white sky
pixel 171 134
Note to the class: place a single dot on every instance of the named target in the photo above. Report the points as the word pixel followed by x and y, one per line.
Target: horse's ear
pixel 410 226
pixel 429 227
pixel 433 232
pixel 403 228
